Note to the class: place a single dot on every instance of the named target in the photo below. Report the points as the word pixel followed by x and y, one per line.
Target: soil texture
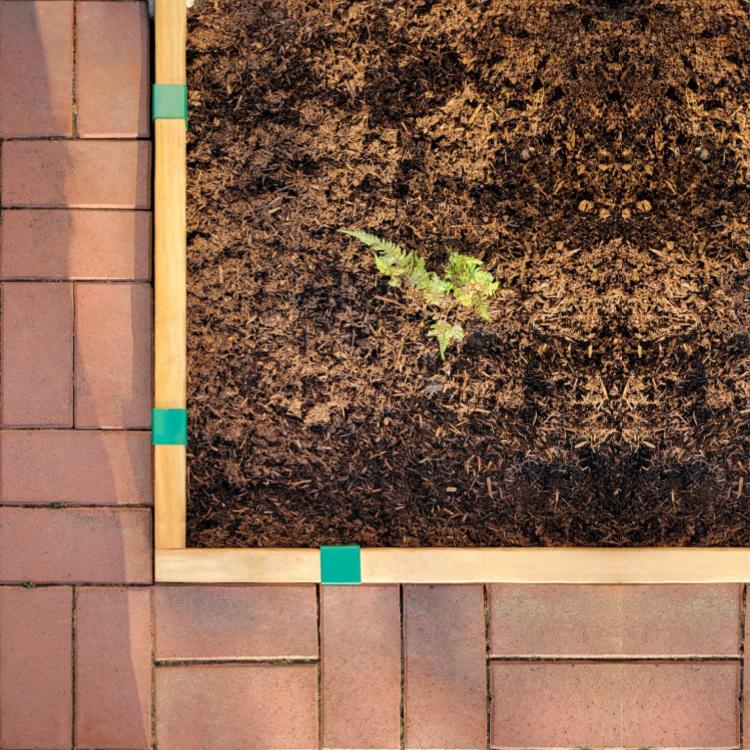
pixel 595 154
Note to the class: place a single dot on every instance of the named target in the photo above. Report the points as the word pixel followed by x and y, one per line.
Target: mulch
pixel 594 154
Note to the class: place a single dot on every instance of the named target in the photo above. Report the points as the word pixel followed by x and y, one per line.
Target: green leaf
pixel 445 333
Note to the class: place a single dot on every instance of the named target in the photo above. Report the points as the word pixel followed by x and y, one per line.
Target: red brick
pixel 76 174
pixel 110 468
pixel 605 704
pixel 235 707
pixel 112 70
pixel 58 244
pixel 64 545
pixel 36 668
pixel 113 355
pixel 445 689
pixel 36 57
pixel 235 622
pixel 361 666
pixel 113 668
pixel 37 362
pixel 549 620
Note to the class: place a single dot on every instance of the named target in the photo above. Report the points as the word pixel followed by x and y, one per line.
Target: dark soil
pixel 596 156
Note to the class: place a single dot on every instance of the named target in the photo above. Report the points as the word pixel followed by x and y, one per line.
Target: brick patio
pixel 93 656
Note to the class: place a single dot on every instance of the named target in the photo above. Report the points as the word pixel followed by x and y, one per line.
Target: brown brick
pixel 605 704
pixel 361 666
pixel 35 667
pixel 58 244
pixel 113 70
pixel 37 361
pixel 113 355
pixel 65 545
pixel 110 468
pixel 76 174
pixel 550 620
pixel 234 622
pixel 113 668
pixel 36 58
pixel 231 706
pixel 445 667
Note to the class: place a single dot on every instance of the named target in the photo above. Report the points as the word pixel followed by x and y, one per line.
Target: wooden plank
pixel 480 565
pixel 238 566
pixel 170 277
pixel 170 40
pixel 170 472
pixel 556 565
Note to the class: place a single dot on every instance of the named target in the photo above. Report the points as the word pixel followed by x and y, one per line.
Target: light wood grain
pixel 170 278
pixel 439 565
pixel 170 39
pixel 238 566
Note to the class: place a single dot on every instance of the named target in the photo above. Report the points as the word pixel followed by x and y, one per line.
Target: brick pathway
pixel 93 656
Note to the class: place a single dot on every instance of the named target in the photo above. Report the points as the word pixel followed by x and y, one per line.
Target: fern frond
pixel 445 333
pixel 378 244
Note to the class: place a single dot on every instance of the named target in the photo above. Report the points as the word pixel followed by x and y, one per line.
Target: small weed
pixel 464 284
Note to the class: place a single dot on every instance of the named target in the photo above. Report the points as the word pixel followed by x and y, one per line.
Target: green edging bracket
pixel 169 426
pixel 340 565
pixel 169 101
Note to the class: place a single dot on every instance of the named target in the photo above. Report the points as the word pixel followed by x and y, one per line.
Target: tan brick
pixel 75 466
pixel 76 174
pixel 65 545
pixel 36 58
pixel 59 244
pixel 113 355
pixel 113 668
pixel 236 707
pixel 37 348
pixel 549 620
pixel 605 704
pixel 445 667
pixel 113 70
pixel 36 699
pixel 360 630
pixel 232 622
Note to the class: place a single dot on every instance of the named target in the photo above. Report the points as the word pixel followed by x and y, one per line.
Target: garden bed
pixel 593 154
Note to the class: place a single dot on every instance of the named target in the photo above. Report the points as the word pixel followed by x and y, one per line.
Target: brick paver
pixel 36 697
pixel 236 622
pixel 62 545
pixel 110 467
pixel 36 59
pixel 113 668
pixel 615 620
pixel 37 363
pixel 78 244
pixel 76 174
pixel 605 704
pixel 234 707
pixel 112 70
pixel 113 355
pixel 360 633
pixel 445 691
pixel 87 644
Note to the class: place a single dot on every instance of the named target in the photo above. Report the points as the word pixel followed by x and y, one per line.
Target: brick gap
pixel 319 687
pixel 616 659
pixel 402 701
pixel 74 91
pixel 741 696
pixel 73 652
pixel 152 633
pixel 487 661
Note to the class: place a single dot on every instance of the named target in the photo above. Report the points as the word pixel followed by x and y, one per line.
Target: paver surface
pixel 94 656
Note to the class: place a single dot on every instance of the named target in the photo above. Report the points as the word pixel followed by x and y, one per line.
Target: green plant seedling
pixel 445 333
pixel 464 283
